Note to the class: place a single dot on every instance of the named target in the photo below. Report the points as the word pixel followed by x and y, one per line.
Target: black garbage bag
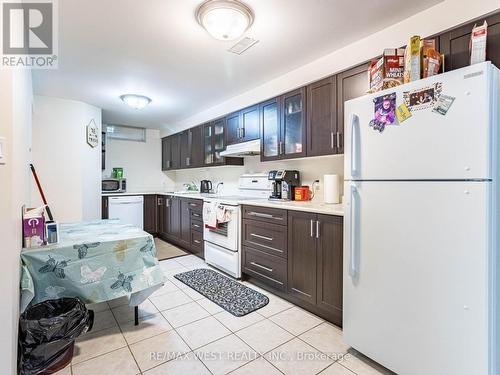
pixel 47 333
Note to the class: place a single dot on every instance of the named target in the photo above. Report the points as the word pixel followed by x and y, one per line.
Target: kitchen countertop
pixel 307 206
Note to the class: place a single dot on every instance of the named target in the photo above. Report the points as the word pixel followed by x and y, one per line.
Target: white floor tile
pixel 187 364
pixel 336 369
pixel 298 358
pixel 264 336
pixel 158 349
pixel 275 306
pixel 258 366
pixel 102 320
pixel 296 320
pixel 118 362
pixel 326 338
pixel 98 343
pixel 226 355
pixel 235 323
pixel 148 327
pixel 185 314
pixel 202 332
pixel 170 300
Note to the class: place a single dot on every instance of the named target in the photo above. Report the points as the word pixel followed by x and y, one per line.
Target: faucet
pixel 217 187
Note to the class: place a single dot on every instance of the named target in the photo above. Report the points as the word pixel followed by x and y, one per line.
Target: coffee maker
pixel 284 183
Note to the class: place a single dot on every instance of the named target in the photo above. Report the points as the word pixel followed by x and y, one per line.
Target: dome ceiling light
pixel 135 101
pixel 224 19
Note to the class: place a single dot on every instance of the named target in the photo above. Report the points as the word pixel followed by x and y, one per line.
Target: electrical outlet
pixel 3 151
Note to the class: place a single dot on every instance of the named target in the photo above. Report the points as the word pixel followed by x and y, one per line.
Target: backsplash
pixel 310 169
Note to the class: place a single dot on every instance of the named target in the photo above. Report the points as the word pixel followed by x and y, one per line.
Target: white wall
pixel 440 17
pixel 68 168
pixel 310 169
pixel 16 97
pixel 141 162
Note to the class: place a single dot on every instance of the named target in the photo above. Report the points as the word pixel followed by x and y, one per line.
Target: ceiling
pixel 156 48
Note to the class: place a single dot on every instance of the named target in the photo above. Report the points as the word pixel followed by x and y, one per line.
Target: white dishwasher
pixel 129 209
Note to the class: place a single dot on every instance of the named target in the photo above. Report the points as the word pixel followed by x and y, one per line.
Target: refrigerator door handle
pixel 354 145
pixel 353 253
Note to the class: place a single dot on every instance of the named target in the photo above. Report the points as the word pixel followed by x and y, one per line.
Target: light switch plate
pixel 3 151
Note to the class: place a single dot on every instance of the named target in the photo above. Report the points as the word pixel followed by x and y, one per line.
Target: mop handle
pixel 49 214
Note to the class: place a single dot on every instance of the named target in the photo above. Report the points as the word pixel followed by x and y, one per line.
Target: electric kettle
pixel 205 186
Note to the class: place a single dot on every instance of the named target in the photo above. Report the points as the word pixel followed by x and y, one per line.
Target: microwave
pixel 114 185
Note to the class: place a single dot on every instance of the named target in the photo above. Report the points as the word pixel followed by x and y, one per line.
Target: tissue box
pixel 34 231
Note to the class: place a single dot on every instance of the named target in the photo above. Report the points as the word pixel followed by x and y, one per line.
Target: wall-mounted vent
pixel 125 133
pixel 242 45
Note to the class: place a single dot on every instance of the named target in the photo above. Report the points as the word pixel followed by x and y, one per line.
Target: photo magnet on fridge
pixel 403 113
pixel 422 98
pixel 443 104
pixel 385 112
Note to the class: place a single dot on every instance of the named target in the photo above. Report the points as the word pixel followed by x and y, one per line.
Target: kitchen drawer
pixel 195 205
pixel 265 214
pixel 270 269
pixel 197 244
pixel 268 238
pixel 195 215
pixel 196 225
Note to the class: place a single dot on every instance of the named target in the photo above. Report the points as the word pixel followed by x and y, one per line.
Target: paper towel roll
pixel 331 188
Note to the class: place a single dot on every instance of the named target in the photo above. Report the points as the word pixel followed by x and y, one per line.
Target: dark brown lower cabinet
pixel 104 208
pixel 151 213
pixel 299 260
pixel 178 220
pixel 302 256
pixel 330 254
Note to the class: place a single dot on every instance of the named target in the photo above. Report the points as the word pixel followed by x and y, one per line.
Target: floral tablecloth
pixel 96 261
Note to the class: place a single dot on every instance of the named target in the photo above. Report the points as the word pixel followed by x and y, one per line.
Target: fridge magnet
pixel 443 104
pixel 402 113
pixel 422 98
pixel 385 112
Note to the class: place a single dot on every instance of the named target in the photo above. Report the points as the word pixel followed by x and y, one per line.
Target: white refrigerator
pixel 421 289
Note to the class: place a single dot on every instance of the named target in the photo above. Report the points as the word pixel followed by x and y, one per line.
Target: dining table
pixel 95 261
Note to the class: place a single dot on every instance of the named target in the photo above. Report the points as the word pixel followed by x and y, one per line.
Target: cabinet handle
pixel 196 225
pixel 193 204
pixel 167 202
pixel 317 229
pixel 196 215
pixel 312 228
pixel 197 241
pixel 262 237
pixel 260 266
pixel 331 139
pixel 106 203
pixel 338 139
pixel 242 132
pixel 159 201
pixel 267 216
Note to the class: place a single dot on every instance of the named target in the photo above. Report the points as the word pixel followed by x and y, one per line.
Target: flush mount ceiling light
pixel 135 101
pixel 224 19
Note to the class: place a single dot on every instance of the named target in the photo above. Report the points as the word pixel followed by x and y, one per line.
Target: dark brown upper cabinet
pixel 243 126
pixel 166 153
pixel 176 151
pixel 191 148
pixel 250 124
pixel 454 44
pixel 323 137
pixel 283 126
pixel 214 142
pixel 269 130
pixel 351 84
pixel 233 128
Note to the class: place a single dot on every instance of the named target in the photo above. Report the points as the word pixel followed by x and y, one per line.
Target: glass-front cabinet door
pixel 293 124
pixel 219 140
pixel 270 128
pixel 208 149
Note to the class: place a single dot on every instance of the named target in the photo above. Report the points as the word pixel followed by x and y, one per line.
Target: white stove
pixel 223 244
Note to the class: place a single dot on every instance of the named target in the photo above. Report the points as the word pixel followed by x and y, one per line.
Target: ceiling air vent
pixel 242 45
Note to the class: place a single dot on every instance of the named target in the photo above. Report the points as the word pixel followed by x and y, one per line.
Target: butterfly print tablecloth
pixel 96 261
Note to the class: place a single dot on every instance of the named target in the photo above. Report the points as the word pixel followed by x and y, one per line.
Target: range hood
pixel 249 148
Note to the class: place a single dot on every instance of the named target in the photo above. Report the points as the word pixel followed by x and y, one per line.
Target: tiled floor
pixel 182 332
